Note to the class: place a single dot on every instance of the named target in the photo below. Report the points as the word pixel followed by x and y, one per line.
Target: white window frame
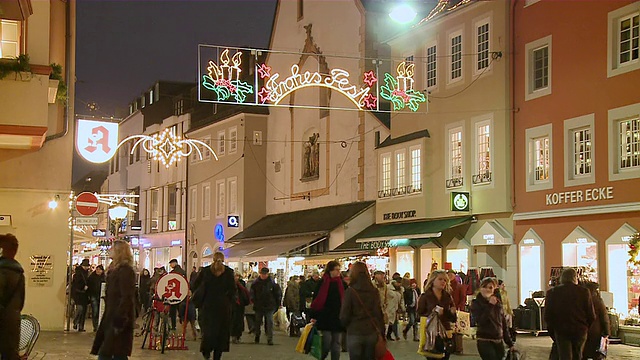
pixel 193 202
pixel 416 186
pixel 385 183
pixel 531 135
pixel 232 184
pixel 477 123
pixel 206 201
pixel 206 154
pixel 17 42
pixel 486 20
pixel 233 139
pixel 400 172
pixel 615 116
pixel 432 44
pixel 449 130
pixel 570 126
pixel 151 98
pixel 529 93
pixel 221 143
pixel 450 79
pixel 614 67
pixel 221 198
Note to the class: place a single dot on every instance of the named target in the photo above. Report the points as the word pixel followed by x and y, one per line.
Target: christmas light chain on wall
pixel 167 147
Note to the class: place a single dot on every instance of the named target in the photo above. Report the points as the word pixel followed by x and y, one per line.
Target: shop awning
pixel 267 250
pixel 319 221
pixel 414 233
pixel 324 259
pixel 492 233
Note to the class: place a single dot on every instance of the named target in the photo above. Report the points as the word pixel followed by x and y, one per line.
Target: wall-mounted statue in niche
pixel 311 158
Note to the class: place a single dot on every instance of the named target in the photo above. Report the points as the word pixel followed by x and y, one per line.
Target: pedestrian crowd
pixel 354 311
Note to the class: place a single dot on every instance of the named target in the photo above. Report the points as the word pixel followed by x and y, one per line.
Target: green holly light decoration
pixel 634 247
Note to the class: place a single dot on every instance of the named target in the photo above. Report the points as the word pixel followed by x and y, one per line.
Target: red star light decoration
pixel 264 71
pixel 264 95
pixel 370 101
pixel 370 78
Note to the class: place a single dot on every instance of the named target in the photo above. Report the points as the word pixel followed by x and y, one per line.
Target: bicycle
pixel 159 311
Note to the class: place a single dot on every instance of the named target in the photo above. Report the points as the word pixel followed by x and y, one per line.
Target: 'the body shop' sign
pixel 577 196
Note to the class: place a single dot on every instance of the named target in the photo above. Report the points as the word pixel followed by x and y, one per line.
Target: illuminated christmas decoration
pixel 370 78
pixel 337 80
pixel 264 95
pixel 400 90
pixel 442 7
pixel 634 248
pixel 264 71
pixel 224 79
pixel 370 101
pixel 167 146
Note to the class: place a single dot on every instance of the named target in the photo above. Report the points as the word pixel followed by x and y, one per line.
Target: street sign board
pixel 86 204
pixel 90 220
pixel 173 288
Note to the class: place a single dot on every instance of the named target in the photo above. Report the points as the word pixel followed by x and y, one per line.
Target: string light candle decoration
pixel 168 147
pixel 224 78
pixel 400 90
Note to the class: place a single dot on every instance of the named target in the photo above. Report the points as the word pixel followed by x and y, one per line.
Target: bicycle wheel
pixel 165 332
pixel 146 327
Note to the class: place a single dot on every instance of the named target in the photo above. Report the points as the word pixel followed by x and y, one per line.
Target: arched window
pixel 531 264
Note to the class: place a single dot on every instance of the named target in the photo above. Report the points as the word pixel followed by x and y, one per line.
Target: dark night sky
pixel 124 47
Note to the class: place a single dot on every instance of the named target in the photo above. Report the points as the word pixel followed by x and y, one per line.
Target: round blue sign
pixel 219 232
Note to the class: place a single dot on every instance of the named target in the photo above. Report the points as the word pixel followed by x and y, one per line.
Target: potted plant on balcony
pixel 57 86
pixel 19 66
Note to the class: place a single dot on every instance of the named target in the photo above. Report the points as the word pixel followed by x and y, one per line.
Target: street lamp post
pixel 117 213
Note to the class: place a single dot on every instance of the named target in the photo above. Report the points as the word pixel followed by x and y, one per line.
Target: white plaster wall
pixel 38 33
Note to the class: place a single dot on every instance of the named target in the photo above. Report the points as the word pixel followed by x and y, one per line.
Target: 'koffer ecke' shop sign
pixel 577 196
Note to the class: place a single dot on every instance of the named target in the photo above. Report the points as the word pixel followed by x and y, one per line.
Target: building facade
pixel 36 140
pixel 577 153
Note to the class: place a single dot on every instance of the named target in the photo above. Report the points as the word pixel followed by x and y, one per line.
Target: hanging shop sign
pixel 218 232
pixel 233 221
pixel 578 196
pixel 40 273
pixel 224 74
pixel 460 201
pixel 96 141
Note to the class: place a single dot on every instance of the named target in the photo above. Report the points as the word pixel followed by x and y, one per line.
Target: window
pixel 193 202
pixel 9 38
pixel 455 65
pixel 629 131
pixel 455 177
pixel 482 45
pixel 385 175
pixel 137 153
pixel 628 39
pixel 579 150
pixel 206 153
pixel 172 210
pixel 206 201
pixel 300 9
pixel 150 97
pixel 538 66
pixel 116 161
pixel 400 170
pixel 233 196
pixel 624 142
pixel 221 198
pixel 143 100
pixel 539 153
pixel 233 140
pixel 131 153
pixel 623 37
pixel 221 144
pixel 483 153
pixel 179 107
pixel 416 173
pixel 431 66
pixel 155 209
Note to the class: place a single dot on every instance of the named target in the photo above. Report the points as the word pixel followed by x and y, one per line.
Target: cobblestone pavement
pixel 61 345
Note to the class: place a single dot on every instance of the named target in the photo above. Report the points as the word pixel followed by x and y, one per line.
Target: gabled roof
pixel 404 138
pixel 304 222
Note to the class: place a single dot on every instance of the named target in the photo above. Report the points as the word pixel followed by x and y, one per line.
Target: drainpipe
pixel 513 103
pixel 70 35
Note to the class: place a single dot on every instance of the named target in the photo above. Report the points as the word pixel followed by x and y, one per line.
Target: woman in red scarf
pixel 325 310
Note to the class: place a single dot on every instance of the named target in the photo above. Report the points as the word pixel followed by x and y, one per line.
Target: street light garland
pixel 167 147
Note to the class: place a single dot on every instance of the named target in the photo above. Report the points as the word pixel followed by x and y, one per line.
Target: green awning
pixel 415 233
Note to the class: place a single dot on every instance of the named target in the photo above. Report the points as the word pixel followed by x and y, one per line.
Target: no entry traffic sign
pixel 86 204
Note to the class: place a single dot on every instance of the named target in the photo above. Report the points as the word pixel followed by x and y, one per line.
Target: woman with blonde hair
pixel 219 290
pixel 114 338
pixel 437 297
pixel 361 314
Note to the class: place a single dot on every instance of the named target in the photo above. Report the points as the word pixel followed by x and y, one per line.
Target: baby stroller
pixel 296 322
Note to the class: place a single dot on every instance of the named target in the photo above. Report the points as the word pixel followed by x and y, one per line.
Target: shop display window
pixel 581 253
pixel 624 280
pixel 530 270
pixel 404 262
pixel 459 259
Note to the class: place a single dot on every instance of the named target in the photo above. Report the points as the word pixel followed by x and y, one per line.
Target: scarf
pixel 321 299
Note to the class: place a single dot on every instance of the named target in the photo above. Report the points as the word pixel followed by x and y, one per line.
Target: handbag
pixel 316 346
pixel 381 344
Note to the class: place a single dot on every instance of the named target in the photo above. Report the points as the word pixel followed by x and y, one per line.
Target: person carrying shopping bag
pixel 437 298
pixel 492 328
pixel 325 310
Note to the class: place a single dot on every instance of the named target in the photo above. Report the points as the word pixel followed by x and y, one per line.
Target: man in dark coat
pixel 79 287
pixel 173 311
pixel 11 297
pixel 569 314
pixel 266 296
pixel 411 296
pixel 308 289
pixel 94 282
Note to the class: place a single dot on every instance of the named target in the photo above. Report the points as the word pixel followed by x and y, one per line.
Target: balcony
pixel 482 178
pixel 454 182
pixel 403 190
pixel 24 100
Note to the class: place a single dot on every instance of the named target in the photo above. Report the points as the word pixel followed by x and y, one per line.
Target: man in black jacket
pixel 411 296
pixel 11 297
pixel 569 313
pixel 94 282
pixel 79 287
pixel 266 296
pixel 308 289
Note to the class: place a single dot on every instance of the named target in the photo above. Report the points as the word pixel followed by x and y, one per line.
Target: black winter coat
pixel 428 301
pixel 94 282
pixel 599 328
pixel 266 295
pixel 490 320
pixel 11 303
pixel 115 333
pixel 329 317
pixel 215 313
pixel 569 310
pixel 408 298
pixel 359 319
pixel 78 286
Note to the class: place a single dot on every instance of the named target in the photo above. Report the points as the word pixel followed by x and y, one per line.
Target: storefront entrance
pixel 531 265
pixel 623 277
